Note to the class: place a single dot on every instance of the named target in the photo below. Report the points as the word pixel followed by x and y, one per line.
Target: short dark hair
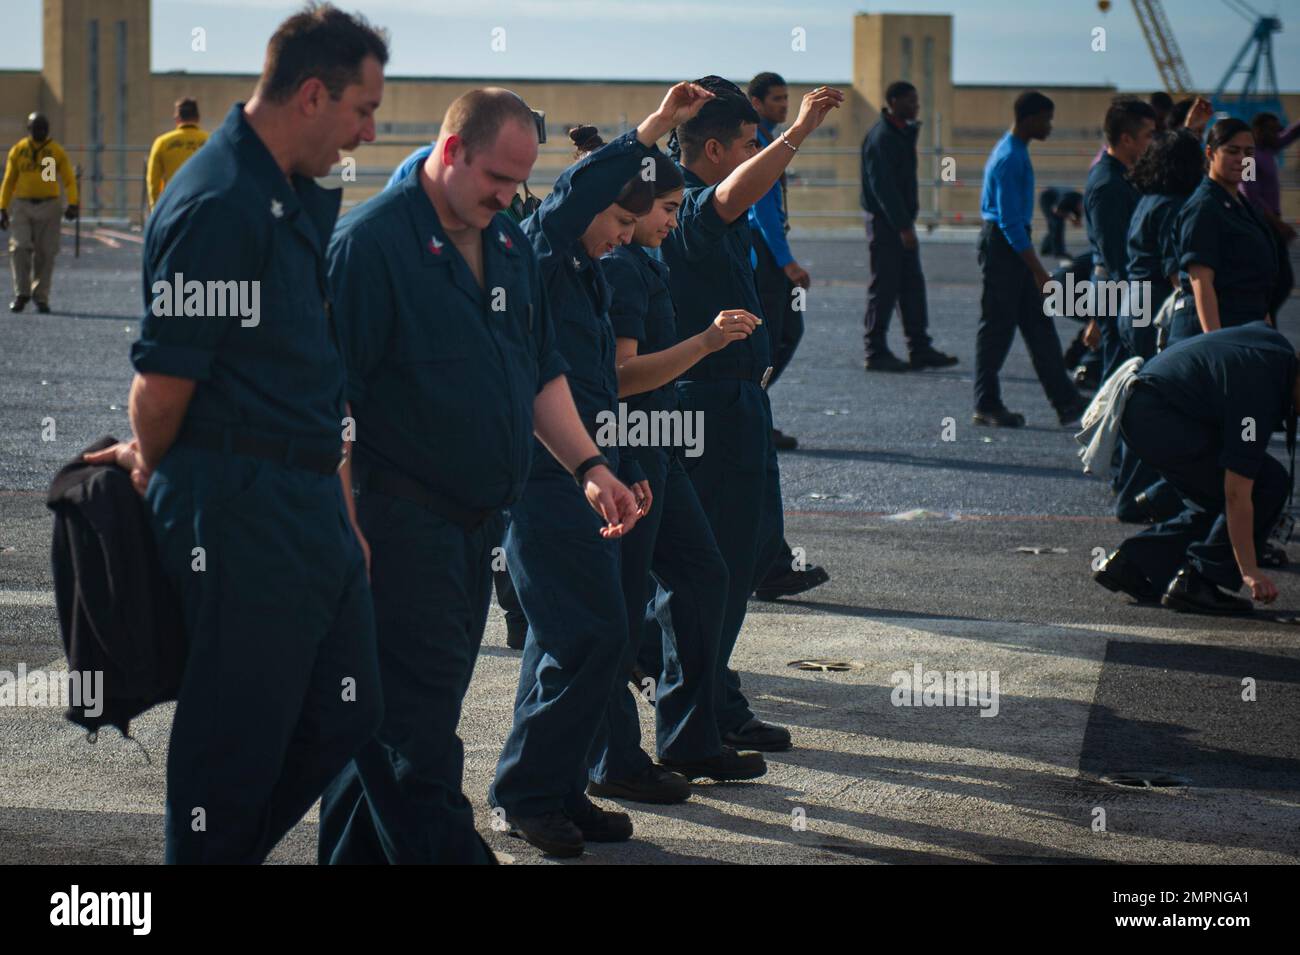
pixel 319 41
pixel 1031 103
pixel 1126 115
pixel 762 84
pixel 897 90
pixel 720 118
pixel 187 110
pixel 1161 101
pixel 1224 130
pixel 1173 166
pixel 477 116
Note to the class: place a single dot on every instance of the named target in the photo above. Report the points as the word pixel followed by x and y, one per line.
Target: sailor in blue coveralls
pixel 673 540
pixel 564 567
pixel 1202 413
pixel 239 414
pixel 452 365
pixel 736 478
pixel 1165 175
pixel 1226 253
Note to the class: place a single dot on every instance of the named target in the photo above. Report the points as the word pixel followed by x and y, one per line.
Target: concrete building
pixel 106 106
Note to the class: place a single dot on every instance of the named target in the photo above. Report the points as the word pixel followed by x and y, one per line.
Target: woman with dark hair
pixel 563 560
pixel 1168 172
pixel 1225 251
pixel 678 657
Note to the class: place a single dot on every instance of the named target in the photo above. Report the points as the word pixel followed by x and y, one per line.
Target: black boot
pixel 1190 592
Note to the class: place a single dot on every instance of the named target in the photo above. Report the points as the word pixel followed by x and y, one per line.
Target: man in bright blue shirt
pixel 1014 277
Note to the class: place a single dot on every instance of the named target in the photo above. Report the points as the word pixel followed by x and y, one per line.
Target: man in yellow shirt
pixel 171 150
pixel 33 171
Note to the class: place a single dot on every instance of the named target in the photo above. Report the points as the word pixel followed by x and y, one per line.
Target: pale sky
pixel 1019 42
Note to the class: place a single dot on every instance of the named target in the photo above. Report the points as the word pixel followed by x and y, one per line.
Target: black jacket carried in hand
pixel 116 611
pixel 889 189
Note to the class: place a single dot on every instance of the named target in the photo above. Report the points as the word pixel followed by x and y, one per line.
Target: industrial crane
pixel 1254 60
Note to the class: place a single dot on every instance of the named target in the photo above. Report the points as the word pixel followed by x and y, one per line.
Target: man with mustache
pixel 452 369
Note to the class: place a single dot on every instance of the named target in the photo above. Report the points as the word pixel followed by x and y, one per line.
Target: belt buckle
pixel 767 375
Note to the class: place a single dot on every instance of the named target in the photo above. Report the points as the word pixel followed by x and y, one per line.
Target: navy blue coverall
pixel 737 477
pixel 442 376
pixel 281 684
pixel 566 575
pixel 1203 406
pixel 674 542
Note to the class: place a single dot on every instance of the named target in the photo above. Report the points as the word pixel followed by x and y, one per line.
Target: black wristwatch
pixel 595 461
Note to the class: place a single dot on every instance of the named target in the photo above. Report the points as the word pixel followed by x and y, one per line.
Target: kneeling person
pixel 1201 413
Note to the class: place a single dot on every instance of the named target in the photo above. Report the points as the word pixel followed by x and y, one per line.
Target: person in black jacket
pixel 889 196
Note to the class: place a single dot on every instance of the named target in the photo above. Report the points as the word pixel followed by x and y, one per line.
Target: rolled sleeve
pixel 204 243
pixel 1199 240
pixel 550 363
pixel 630 301
pixel 699 226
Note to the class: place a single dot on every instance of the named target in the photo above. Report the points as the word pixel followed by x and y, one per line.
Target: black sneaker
pixel 765 737
pixel 19 303
pixel 602 825
pixel 43 307
pixel 1001 418
pixel 932 358
pixel 1271 555
pixel 782 441
pixel 1190 592
pixel 727 766
pixel 886 362
pixel 1071 416
pixel 552 832
pixel 1120 575
pixel 788 583
pixel 656 785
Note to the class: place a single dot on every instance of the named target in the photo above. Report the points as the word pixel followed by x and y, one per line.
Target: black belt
pixel 396 484
pixel 39 199
pixel 729 371
pixel 283 451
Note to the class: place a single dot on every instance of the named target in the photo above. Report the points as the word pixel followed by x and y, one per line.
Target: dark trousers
pixel 1134 476
pixel 1186 452
pixel 1054 240
pixel 507 598
pixel 776 293
pixel 570 587
pixel 738 482
pixel 1010 300
pixel 674 543
pixel 400 801
pixel 896 279
pixel 279 625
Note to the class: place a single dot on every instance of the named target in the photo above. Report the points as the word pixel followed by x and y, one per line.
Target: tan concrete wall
pixel 964 121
